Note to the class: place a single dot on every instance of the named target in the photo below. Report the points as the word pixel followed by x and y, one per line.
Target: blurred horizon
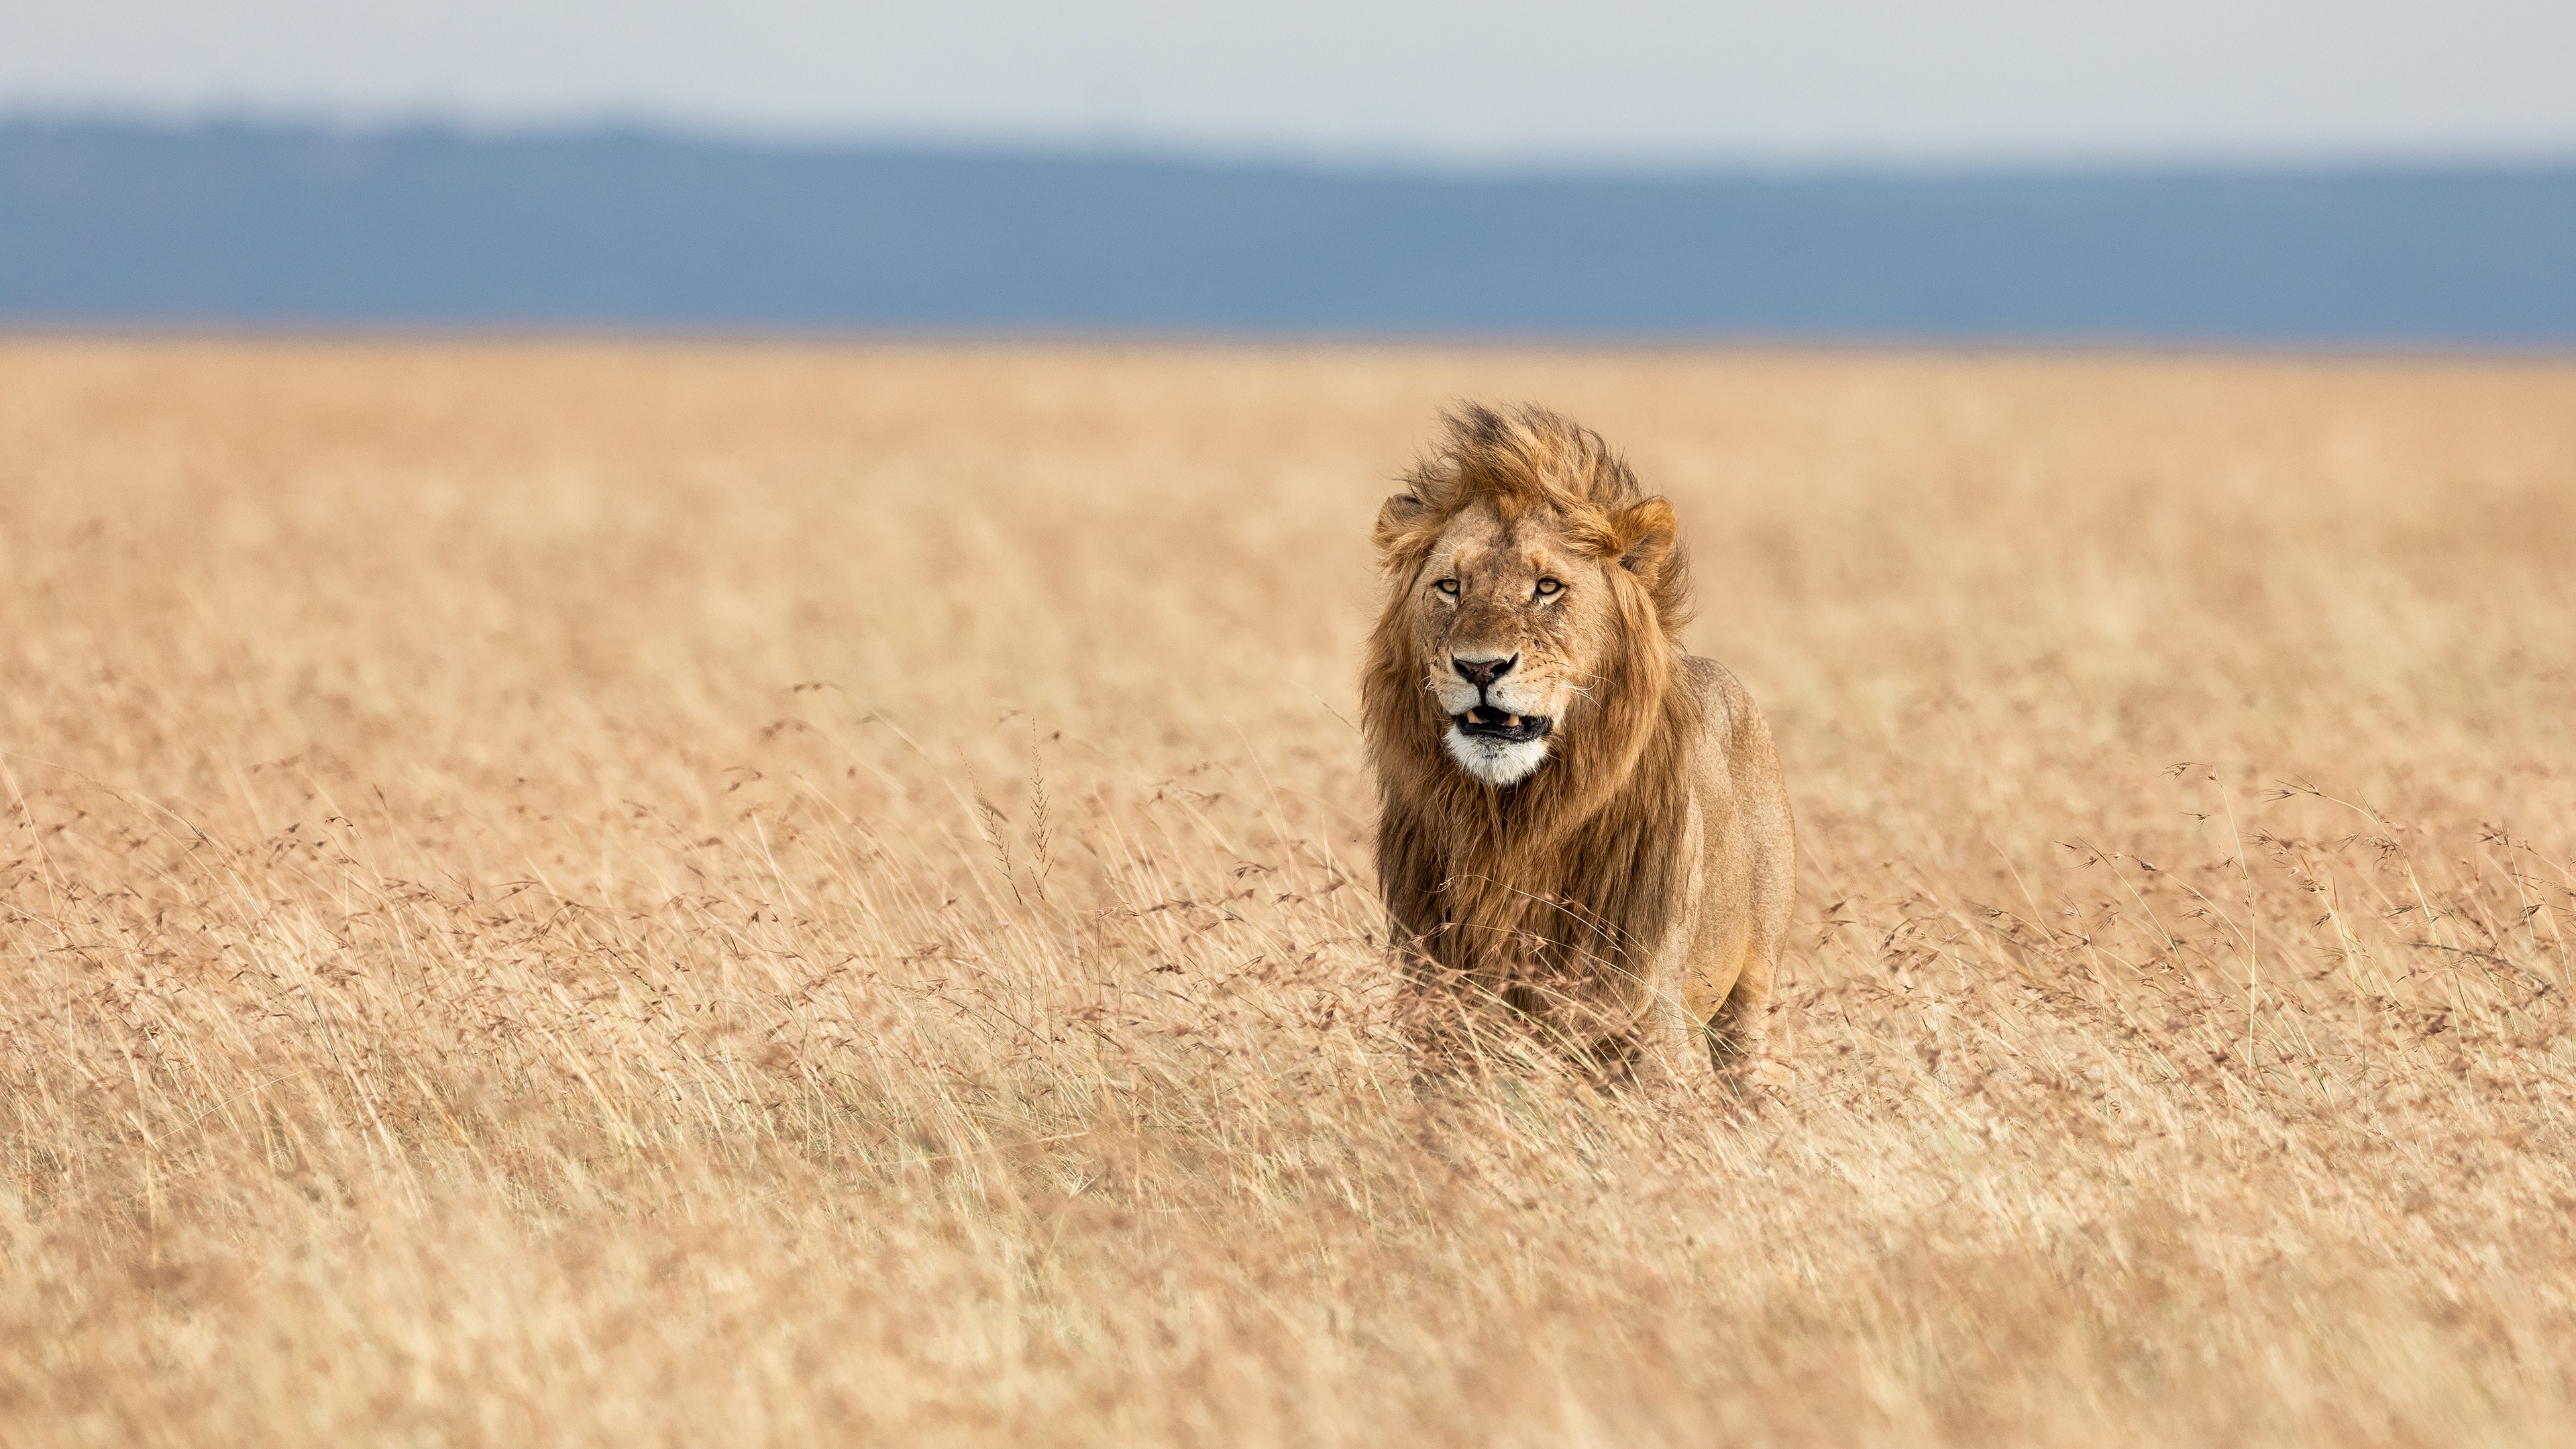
pixel 1415 84
pixel 262 225
pixel 1225 153
pixel 2387 173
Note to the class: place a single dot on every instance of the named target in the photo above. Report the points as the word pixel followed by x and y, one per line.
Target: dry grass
pixel 649 895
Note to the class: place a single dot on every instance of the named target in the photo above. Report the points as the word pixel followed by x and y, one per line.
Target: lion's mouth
pixel 1487 723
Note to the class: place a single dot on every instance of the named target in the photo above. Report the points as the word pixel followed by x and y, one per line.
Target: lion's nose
pixel 1481 672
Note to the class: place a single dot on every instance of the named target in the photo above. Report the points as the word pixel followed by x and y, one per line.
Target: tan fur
pixel 1632 892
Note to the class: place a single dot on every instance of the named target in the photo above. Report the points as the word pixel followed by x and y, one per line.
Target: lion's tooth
pixel 1511 721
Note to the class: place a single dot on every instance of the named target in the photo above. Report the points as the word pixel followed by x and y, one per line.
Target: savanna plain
pixel 651 894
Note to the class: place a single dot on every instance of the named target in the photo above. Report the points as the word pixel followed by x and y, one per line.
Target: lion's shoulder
pixel 1721 697
pixel 1734 739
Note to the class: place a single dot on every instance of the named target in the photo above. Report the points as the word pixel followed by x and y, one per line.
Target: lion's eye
pixel 1548 586
pixel 1447 586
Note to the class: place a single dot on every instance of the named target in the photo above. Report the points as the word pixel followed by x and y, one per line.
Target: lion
pixel 1579 821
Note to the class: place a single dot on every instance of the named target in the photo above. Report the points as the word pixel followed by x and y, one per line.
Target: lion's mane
pixel 1554 887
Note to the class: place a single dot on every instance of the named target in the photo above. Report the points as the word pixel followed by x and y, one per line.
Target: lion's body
pixel 1615 865
pixel 1743 846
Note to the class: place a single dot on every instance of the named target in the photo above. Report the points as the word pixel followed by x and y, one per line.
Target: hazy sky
pixel 1492 81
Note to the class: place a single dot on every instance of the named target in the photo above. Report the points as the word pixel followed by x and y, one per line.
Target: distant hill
pixel 236 224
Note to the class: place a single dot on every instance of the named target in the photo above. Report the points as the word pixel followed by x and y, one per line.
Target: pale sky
pixel 1493 82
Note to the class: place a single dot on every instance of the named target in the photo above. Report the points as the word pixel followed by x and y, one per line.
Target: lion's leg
pixel 1739 1030
pixel 1736 1036
pixel 1657 1046
pixel 1738 1033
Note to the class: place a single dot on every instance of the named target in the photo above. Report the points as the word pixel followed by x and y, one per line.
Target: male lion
pixel 1579 820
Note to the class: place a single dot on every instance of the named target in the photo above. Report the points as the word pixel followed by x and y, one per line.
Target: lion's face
pixel 1513 625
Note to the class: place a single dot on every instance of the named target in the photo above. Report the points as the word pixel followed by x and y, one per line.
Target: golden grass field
pixel 654 894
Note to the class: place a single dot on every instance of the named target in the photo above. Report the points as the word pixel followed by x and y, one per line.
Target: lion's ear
pixel 1646 532
pixel 1394 521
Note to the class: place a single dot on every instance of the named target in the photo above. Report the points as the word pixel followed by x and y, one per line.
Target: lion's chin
pixel 1495 761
